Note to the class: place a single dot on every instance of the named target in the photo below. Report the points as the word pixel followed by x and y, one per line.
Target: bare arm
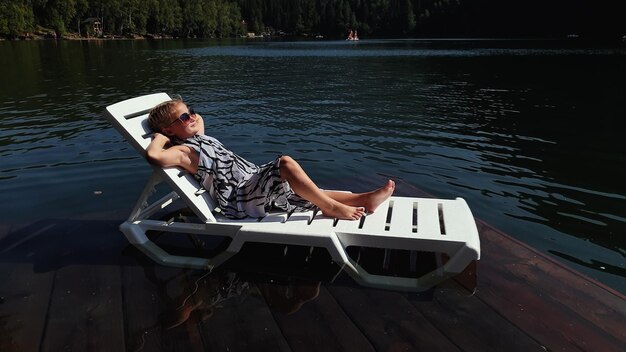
pixel 178 155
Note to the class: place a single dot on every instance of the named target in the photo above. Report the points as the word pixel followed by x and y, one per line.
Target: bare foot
pixel 375 198
pixel 344 212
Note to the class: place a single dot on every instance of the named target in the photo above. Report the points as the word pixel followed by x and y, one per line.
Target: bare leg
pixel 370 200
pixel 300 182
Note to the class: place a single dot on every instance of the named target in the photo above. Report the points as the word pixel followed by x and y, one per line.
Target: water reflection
pixel 198 296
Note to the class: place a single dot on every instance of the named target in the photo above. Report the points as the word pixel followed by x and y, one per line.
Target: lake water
pixel 530 133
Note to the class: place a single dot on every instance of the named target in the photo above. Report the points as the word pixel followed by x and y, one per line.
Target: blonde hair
pixel 161 115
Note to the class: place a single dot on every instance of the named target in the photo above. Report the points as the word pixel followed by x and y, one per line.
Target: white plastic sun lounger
pixel 415 224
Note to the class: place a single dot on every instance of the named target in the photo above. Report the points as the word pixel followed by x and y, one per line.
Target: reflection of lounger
pixel 415 224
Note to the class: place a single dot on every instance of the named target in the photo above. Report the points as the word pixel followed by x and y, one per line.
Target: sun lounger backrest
pixel 130 118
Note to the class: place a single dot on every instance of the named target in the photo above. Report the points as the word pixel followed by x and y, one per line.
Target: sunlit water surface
pixel 529 133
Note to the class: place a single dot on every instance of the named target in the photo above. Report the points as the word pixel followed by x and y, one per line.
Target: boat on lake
pixel 352 35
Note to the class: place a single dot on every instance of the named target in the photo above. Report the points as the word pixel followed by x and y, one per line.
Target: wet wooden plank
pixel 389 320
pixel 544 319
pixel 141 306
pixel 311 319
pixel 241 322
pixel 25 286
pixel 556 306
pixel 157 307
pixel 597 303
pixel 471 324
pixel 24 297
pixel 85 312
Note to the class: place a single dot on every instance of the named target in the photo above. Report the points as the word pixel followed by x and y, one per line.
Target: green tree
pixel 232 16
pixel 82 8
pixel 59 14
pixel 199 18
pixel 164 16
pixel 253 10
pixel 308 18
pixel 16 18
pixel 112 15
pixel 135 16
pixel 405 17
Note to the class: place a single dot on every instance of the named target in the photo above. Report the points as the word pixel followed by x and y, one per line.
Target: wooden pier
pixel 77 285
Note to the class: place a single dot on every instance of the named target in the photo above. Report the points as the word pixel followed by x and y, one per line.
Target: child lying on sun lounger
pixel 241 187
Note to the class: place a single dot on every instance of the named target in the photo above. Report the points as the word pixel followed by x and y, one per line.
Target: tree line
pixel 181 18
pixel 330 18
pixel 444 18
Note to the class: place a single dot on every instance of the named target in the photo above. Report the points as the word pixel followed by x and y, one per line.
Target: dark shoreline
pixel 586 40
pixel 75 36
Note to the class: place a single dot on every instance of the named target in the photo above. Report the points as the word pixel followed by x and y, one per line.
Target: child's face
pixel 183 124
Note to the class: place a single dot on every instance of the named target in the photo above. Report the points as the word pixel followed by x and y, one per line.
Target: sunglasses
pixel 184 118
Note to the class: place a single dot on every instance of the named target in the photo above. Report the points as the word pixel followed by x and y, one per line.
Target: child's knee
pixel 287 166
pixel 287 161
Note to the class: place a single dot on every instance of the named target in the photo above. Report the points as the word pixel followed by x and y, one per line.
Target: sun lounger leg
pixel 137 236
pixel 455 265
pixel 398 283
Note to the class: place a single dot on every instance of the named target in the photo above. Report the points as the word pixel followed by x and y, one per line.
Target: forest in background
pixel 329 18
